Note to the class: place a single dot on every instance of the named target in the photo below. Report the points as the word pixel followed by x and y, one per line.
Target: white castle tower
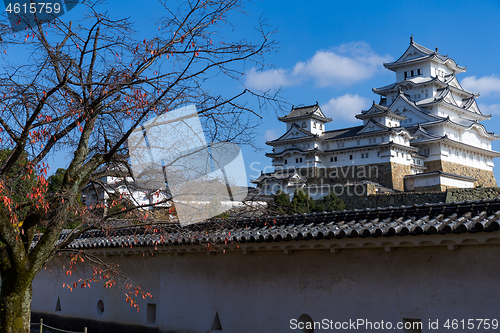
pixel 424 135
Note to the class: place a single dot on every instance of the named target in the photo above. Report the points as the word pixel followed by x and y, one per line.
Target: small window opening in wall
pixel 335 159
pixel 350 157
pixel 307 323
pixel 58 305
pixel 100 307
pixel 216 326
pixel 301 159
pixel 286 161
pixel 412 325
pixel 151 313
pixel 304 125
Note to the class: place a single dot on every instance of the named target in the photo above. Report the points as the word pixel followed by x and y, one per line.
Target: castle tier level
pixel 424 135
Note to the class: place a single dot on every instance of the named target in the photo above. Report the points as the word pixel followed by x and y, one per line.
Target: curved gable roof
pixel 309 111
pixel 416 53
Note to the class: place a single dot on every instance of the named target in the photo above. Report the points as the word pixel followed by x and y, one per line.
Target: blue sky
pixel 331 52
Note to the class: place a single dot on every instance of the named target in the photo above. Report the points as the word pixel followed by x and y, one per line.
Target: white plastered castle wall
pixel 263 291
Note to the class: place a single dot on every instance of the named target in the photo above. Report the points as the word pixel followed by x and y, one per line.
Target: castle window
pixel 406 75
pixel 362 155
pixel 321 126
pixel 335 159
pixel 350 157
pixel 412 73
pixel 301 159
pixel 296 160
pixel 366 155
pixel 314 125
pixel 419 72
pixel 286 161
pixel 304 124
pixel 100 307
pixel 331 159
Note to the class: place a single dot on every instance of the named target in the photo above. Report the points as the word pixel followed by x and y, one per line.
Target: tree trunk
pixel 15 305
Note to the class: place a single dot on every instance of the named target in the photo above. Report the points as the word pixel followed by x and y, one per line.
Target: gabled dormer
pixel 309 118
pixel 372 126
pixel 382 115
pixel 295 132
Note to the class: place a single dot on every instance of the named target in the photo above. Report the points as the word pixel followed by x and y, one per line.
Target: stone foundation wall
pixel 361 196
pixel 354 198
pixel 484 178
pixel 398 172
pixel 464 194
pixel 389 175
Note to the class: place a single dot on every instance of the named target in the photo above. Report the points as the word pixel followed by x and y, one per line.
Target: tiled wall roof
pixel 429 219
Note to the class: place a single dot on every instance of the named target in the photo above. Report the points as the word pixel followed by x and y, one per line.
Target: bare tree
pixel 85 87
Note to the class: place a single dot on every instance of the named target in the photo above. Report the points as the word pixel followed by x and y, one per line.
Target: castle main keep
pixel 423 135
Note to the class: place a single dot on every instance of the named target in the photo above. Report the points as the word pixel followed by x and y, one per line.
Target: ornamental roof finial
pixel 437 49
pixel 411 38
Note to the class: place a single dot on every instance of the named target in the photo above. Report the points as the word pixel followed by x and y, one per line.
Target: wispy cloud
pixel 272 134
pixel 489 108
pixel 341 66
pixel 345 107
pixel 484 85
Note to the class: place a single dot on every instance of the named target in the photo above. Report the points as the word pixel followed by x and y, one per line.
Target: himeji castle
pixel 423 135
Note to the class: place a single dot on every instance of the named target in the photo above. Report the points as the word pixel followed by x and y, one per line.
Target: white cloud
pixel 341 66
pixel 272 134
pixel 265 80
pixel 347 64
pixel 489 108
pixel 484 85
pixel 345 107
